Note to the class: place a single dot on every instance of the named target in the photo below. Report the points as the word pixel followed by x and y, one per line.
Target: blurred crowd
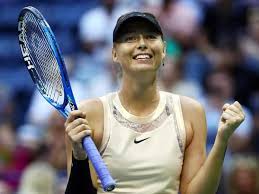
pixel 212 56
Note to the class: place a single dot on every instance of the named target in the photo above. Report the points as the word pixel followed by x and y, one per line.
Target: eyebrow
pixel 136 32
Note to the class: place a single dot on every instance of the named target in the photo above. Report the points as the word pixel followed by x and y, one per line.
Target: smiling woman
pixel 152 141
pixel 143 34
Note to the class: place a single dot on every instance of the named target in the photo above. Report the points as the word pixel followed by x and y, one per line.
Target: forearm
pixel 206 181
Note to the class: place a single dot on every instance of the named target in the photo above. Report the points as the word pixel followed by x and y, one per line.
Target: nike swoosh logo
pixel 138 141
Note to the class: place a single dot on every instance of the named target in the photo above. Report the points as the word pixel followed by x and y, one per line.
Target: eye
pixel 130 38
pixel 151 36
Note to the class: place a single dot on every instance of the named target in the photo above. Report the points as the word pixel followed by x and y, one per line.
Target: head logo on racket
pixel 24 49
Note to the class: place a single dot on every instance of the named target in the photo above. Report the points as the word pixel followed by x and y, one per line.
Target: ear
pixel 164 50
pixel 114 55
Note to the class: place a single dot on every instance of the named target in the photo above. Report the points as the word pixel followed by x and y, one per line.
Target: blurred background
pixel 212 56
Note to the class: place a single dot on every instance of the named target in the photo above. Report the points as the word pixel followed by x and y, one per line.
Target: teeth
pixel 143 57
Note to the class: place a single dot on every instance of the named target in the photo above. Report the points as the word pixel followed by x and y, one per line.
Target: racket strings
pixel 43 59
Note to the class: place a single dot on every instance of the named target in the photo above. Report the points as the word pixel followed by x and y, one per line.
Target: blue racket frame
pixel 101 169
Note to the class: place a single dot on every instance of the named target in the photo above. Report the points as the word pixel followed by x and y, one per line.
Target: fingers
pixel 77 126
pixel 227 116
pixel 76 134
pixel 73 115
pixel 238 105
pixel 233 112
pixel 77 137
pixel 76 122
pixel 225 106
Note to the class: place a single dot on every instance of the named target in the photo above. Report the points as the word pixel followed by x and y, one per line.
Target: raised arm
pixel 201 175
pixel 88 120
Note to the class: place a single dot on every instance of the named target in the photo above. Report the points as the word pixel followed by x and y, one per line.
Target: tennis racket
pixel 45 64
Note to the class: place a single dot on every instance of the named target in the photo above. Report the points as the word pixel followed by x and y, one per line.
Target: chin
pixel 144 66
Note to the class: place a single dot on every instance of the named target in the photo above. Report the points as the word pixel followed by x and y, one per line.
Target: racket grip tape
pixel 101 169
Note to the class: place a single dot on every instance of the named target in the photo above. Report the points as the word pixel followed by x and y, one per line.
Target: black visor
pixel 132 16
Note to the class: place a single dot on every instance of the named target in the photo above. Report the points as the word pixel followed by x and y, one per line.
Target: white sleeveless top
pixel 146 162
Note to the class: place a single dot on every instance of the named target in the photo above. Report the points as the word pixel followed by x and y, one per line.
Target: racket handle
pixel 101 169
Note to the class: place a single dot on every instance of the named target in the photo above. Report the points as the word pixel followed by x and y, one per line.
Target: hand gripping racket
pixel 44 62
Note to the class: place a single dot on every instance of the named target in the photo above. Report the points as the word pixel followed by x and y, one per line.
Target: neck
pixel 139 97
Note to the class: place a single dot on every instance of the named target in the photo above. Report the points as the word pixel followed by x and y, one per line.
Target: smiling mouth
pixel 142 57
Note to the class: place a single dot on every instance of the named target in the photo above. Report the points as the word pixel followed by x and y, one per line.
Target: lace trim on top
pixel 143 127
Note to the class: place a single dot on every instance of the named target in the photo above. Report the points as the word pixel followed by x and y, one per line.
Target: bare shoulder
pixel 191 108
pixel 92 107
pixel 194 117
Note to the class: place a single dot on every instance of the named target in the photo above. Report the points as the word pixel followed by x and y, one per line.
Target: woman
pixel 153 142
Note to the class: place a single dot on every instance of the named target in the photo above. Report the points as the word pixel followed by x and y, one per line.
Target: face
pixel 139 48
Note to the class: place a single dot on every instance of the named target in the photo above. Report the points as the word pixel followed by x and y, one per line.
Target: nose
pixel 142 43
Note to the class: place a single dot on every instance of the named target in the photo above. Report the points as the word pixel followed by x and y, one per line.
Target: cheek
pixel 159 48
pixel 159 54
pixel 124 54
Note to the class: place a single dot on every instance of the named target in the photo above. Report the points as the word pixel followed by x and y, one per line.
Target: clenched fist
pixel 232 116
pixel 76 129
